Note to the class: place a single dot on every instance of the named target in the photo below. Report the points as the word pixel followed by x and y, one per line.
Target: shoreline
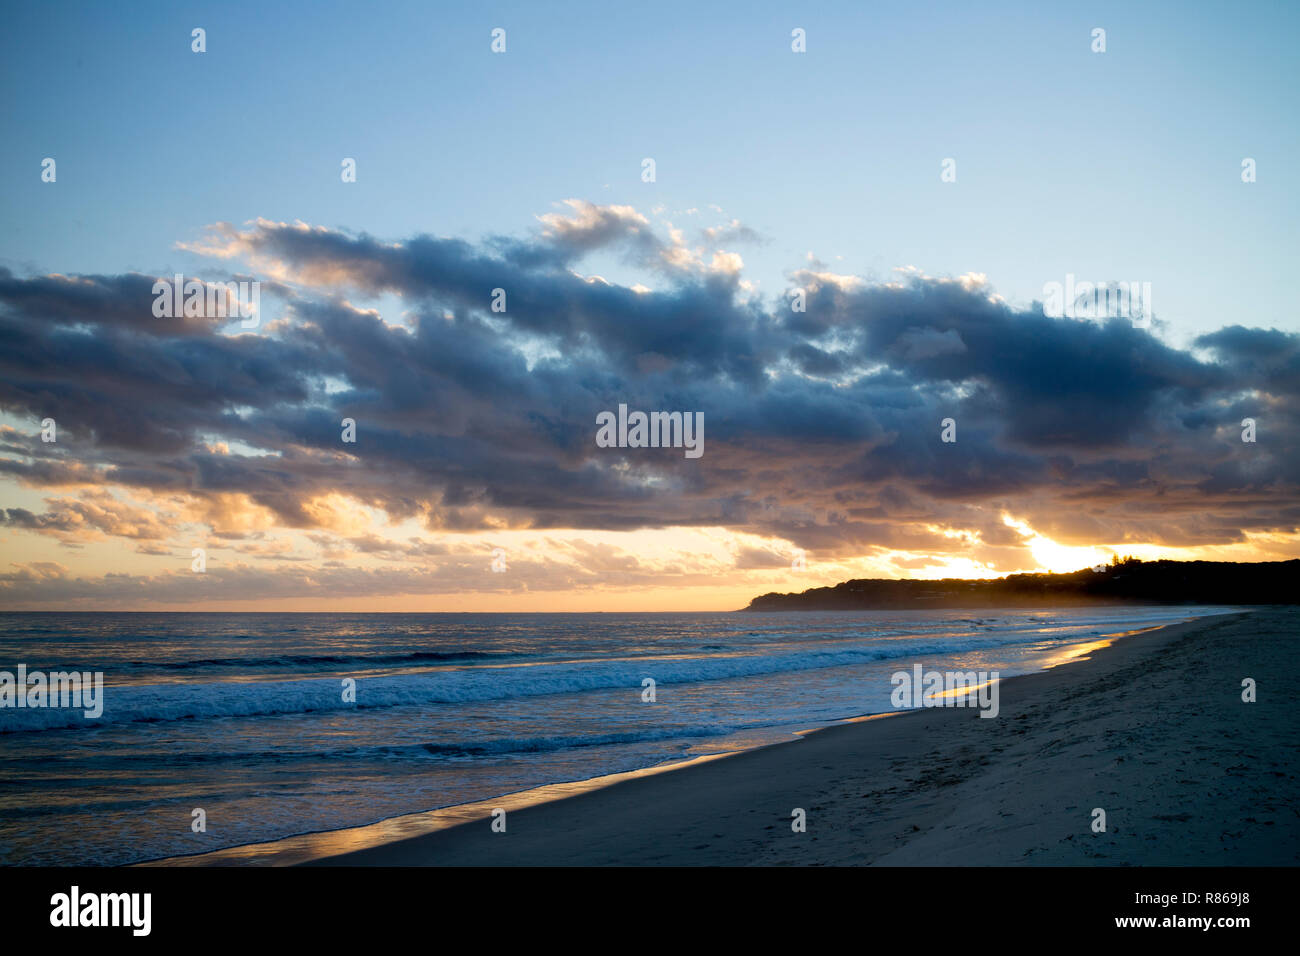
pixel 450 834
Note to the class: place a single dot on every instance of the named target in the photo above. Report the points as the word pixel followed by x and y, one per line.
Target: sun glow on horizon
pixel 1055 557
pixel 120 550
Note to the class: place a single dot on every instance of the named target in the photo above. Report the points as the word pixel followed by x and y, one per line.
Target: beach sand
pixel 1152 729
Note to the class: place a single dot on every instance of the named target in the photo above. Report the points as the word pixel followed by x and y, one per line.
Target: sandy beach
pixel 1152 729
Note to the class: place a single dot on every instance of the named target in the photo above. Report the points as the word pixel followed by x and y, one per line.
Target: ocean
pixel 245 716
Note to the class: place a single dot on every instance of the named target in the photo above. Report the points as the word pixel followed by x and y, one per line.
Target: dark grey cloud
pixel 820 426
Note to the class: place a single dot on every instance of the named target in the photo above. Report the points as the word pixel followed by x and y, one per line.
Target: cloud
pixel 94 514
pixel 732 233
pixel 822 427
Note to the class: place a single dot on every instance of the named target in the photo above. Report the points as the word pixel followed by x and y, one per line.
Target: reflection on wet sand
pixel 313 846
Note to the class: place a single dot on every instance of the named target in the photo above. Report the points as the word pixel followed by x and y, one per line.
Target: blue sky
pixel 1122 165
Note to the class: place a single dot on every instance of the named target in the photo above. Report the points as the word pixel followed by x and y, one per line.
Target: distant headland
pixel 1127 581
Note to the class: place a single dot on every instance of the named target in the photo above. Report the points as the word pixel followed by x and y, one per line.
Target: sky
pixel 919 175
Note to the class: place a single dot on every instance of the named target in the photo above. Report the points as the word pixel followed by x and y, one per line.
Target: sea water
pixel 245 716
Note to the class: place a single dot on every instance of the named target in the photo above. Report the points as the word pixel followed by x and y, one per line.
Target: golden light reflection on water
pixel 1080 652
pixel 854 720
pixel 1076 652
pixel 962 691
